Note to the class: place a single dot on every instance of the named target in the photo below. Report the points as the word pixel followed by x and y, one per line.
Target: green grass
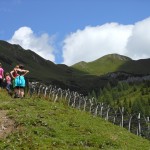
pixel 44 125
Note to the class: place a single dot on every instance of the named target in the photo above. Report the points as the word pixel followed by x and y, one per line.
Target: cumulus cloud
pixel 92 43
pixel 42 45
pixel 138 45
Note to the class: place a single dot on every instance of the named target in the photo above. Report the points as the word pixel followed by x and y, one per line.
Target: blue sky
pixel 69 31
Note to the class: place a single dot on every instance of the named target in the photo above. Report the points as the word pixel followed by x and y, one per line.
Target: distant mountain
pixel 82 77
pixel 44 70
pixel 114 63
pixel 10 55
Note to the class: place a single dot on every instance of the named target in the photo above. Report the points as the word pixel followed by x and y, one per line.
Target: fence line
pixel 135 123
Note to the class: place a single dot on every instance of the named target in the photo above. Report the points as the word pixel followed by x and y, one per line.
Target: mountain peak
pixel 116 56
pixel 103 65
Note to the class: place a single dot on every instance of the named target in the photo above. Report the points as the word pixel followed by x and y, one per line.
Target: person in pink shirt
pixel 8 81
pixel 1 75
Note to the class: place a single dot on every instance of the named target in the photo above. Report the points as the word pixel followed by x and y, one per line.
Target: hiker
pixel 1 75
pixel 8 81
pixel 20 80
pixel 14 74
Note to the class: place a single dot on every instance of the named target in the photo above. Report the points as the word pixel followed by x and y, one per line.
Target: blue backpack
pixel 20 81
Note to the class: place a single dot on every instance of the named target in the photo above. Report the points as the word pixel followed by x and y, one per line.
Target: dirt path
pixel 6 124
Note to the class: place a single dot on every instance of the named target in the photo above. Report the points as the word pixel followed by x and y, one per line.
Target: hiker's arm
pixel 12 74
pixel 25 72
pixel 3 75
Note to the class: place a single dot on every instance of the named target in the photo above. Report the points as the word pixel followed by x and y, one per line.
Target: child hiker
pixel 8 81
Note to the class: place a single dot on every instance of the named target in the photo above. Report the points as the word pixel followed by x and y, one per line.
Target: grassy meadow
pixel 40 124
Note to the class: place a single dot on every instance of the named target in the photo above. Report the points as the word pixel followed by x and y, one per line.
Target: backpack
pixel 20 81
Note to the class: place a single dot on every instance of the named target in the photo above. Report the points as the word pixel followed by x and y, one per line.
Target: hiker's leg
pixel 17 92
pixel 21 92
pixel 8 87
pixel 0 83
pixel 15 89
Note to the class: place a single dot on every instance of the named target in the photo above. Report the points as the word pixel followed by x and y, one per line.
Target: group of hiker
pixel 14 79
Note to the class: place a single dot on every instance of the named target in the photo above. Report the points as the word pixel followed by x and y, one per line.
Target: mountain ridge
pixel 93 77
pixel 40 69
pixel 112 63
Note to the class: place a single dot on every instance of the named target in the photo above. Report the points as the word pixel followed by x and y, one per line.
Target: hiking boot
pixel 16 95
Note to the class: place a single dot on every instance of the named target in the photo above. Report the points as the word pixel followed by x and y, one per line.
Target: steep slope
pixel 47 72
pixel 82 77
pixel 40 69
pixel 10 55
pixel 43 124
pixel 140 66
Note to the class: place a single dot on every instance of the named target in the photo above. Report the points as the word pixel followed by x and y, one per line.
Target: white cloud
pixel 138 45
pixel 41 45
pixel 90 43
pixel 94 42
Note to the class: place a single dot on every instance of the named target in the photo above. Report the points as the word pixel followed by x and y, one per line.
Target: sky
pixel 70 31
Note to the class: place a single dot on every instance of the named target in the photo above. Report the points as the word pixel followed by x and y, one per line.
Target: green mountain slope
pixel 113 63
pixel 103 65
pixel 41 69
pixel 42 124
pixel 47 72
pixel 134 98
pixel 82 77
